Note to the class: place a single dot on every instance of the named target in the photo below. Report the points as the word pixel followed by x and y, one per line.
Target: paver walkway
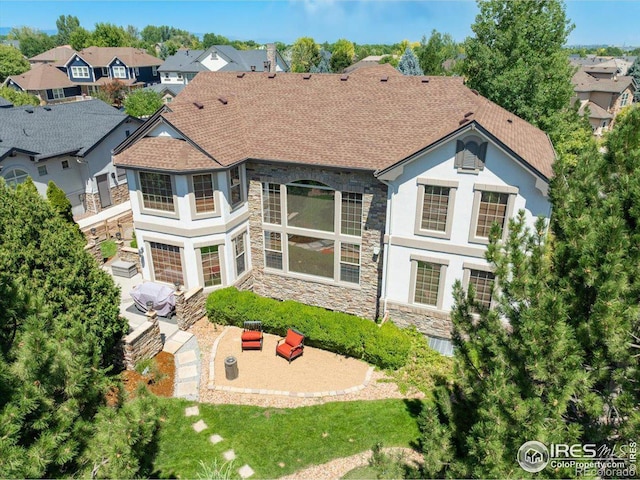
pixel 187 357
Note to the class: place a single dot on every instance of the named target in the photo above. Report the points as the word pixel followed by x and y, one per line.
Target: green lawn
pixel 297 438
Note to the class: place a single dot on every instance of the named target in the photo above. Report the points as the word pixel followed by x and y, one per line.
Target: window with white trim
pixel 351 216
pixel 235 186
pixel 239 253
pixel 350 263
pixel 434 212
pixel 624 99
pixel 167 263
pixel 427 281
pixel 57 93
pixel 119 71
pixel 80 72
pixel 157 191
pixel 271 205
pixel 492 204
pixel 105 71
pixel 204 193
pixel 210 264
pixel 273 250
pixel 154 70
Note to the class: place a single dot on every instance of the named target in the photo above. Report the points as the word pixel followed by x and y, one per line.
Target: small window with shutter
pixel 470 154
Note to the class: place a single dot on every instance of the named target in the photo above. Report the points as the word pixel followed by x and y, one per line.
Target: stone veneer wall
pixel 144 342
pixel 189 307
pixel 93 248
pixel 432 324
pixel 119 194
pixel 362 300
pixel 128 254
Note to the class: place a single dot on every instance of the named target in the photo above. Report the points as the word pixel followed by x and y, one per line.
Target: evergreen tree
pixel 59 330
pixel 596 225
pixel 634 71
pixel 516 58
pixel 409 64
pixel 322 67
pixel 59 202
pixel 520 366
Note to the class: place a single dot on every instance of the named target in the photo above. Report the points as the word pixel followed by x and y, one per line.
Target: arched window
pixel 15 177
pixel 470 153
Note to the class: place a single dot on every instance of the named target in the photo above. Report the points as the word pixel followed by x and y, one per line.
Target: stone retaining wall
pixel 432 324
pixel 128 254
pixel 246 283
pixel 144 342
pixel 93 248
pixel 190 307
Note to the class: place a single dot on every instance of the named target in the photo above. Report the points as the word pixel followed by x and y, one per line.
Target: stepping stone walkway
pixel 246 471
pixel 229 455
pixel 215 438
pixel 187 360
pixel 191 411
pixel 199 426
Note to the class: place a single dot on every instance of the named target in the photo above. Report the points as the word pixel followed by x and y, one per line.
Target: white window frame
pixel 13 178
pixel 239 185
pixel 428 182
pixel 235 243
pixel 216 212
pixel 475 211
pixel 198 249
pixel 58 93
pixel 119 71
pixel 151 211
pixel 105 71
pixel 466 277
pixel 154 70
pixel 80 71
pixel 265 233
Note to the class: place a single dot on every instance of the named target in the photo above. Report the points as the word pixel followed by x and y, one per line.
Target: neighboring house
pixel 181 68
pixel 168 91
pixel 70 144
pixel 365 194
pixel 604 97
pixel 62 74
pixel 621 64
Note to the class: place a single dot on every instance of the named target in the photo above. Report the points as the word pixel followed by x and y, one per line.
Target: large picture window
pixel 157 191
pixel 15 177
pixel 311 205
pixel 204 193
pixel 211 274
pixel 312 256
pixel 167 263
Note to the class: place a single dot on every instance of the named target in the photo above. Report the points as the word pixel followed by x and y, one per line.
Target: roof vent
pixel 468 114
pixel 272 75
pixel 29 110
pixel 425 80
pixel 509 120
pixel 253 68
pixel 48 109
pixel 384 79
pixel 475 92
pixel 241 75
pixel 464 120
pixel 344 78
pixel 198 105
pixel 223 100
pixel 306 76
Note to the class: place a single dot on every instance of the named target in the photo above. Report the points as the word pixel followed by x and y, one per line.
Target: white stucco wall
pixel 214 64
pixel 438 164
pixel 173 78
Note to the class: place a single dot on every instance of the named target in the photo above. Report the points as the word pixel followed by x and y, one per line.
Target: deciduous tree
pixel 66 24
pixel 109 35
pixel 516 57
pixel 32 42
pixel 433 52
pixel 80 39
pixel 141 103
pixel 305 53
pixel 18 98
pixel 12 62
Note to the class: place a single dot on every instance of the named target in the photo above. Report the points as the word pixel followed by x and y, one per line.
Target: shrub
pixel 386 346
pixel 134 243
pixel 108 248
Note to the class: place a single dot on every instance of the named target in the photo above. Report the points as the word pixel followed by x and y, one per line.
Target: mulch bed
pixel 162 388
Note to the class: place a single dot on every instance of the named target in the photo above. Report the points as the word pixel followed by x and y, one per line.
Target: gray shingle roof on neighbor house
pixel 183 61
pixel 4 103
pixel 57 129
pixel 161 88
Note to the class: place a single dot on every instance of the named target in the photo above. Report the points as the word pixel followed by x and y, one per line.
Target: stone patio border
pixel 333 393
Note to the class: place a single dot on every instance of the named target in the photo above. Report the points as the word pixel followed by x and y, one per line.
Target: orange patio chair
pixel 292 346
pixel 252 336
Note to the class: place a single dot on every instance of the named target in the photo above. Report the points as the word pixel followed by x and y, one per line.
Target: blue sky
pixel 362 21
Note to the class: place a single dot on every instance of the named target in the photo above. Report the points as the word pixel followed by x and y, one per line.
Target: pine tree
pixel 520 366
pixel 409 64
pixel 322 67
pixel 59 201
pixel 634 71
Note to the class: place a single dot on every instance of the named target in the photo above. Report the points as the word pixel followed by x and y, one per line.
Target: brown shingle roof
pixel 325 120
pixel 377 70
pixel 165 153
pixel 132 57
pixel 41 77
pixel 57 55
pixel 583 82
